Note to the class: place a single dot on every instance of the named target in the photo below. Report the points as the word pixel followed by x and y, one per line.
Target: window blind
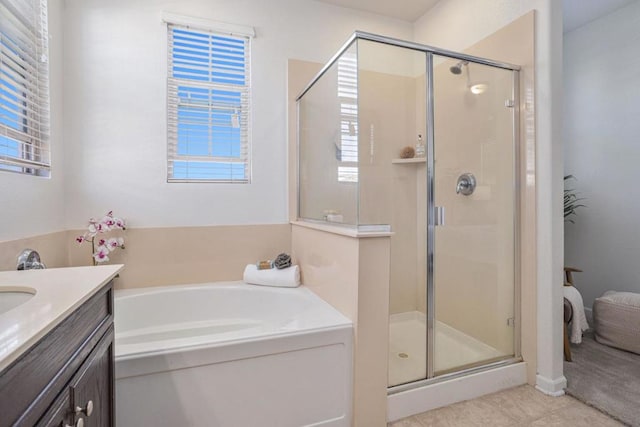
pixel 208 106
pixel 24 87
pixel 348 96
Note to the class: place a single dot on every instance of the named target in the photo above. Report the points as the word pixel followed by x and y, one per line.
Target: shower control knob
pixel 466 184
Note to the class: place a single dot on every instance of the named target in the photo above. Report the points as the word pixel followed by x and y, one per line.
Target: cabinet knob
pixel 88 410
pixel 79 423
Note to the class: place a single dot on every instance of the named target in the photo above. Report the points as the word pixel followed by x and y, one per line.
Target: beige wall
pixel 515 44
pixel 372 339
pixel 51 247
pixel 387 121
pixel 183 255
pixel 329 267
pixel 386 116
pixel 352 274
pixel 474 249
pixel 165 256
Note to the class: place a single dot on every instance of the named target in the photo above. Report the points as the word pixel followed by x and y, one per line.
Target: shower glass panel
pixel 474 187
pixel 392 117
pixel 397 136
pixel 328 148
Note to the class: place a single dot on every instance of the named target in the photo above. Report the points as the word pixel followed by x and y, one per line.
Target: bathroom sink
pixel 13 296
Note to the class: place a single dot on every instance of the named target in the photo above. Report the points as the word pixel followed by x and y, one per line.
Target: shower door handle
pixel 439 217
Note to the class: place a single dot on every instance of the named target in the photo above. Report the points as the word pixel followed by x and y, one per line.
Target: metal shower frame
pixel 430 51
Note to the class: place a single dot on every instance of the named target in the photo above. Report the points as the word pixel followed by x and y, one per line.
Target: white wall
pixel 115 55
pixel 456 25
pixel 30 205
pixel 602 106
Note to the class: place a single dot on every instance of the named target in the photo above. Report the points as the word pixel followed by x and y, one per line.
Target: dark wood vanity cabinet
pixel 88 395
pixel 66 378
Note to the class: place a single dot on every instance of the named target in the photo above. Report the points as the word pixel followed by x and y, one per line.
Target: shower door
pixel 472 215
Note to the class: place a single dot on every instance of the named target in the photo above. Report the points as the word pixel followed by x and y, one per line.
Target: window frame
pixel 24 89
pixel 242 114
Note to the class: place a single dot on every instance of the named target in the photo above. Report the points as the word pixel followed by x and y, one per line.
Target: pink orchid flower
pixel 103 246
pixel 101 254
pixel 112 244
pixel 102 227
pixel 108 221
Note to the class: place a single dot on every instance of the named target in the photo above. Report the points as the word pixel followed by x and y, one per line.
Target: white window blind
pixel 24 87
pixel 348 96
pixel 208 106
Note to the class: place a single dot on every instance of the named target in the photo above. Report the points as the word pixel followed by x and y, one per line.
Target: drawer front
pixel 34 380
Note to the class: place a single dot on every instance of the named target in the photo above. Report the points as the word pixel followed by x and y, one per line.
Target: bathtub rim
pixel 340 322
pixel 129 292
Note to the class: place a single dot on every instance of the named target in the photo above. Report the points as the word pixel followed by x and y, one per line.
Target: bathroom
pixel 109 152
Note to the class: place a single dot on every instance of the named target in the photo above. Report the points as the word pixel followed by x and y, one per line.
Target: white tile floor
pixel 408 343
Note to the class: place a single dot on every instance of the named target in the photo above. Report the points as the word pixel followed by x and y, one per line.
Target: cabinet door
pixel 30 385
pixel 59 414
pixel 92 389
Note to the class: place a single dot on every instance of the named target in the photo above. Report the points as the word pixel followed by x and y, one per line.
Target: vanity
pixel 56 347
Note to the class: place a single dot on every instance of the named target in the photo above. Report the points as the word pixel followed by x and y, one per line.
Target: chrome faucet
pixel 30 260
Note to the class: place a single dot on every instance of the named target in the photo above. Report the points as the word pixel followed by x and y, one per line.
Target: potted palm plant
pixel 571 201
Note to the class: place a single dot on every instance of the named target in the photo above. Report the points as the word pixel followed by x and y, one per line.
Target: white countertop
pixel 58 292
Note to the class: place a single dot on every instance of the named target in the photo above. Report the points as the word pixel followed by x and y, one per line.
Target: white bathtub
pixel 230 354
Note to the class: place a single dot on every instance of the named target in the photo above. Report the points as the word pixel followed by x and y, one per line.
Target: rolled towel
pixel 285 278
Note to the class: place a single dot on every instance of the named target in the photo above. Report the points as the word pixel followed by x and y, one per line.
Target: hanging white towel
pixel 579 322
pixel 286 278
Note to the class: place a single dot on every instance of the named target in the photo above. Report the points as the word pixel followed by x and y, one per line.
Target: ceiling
pixel 575 12
pixel 407 10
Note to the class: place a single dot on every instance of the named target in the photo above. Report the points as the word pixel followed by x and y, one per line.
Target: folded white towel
pixel 579 322
pixel 286 278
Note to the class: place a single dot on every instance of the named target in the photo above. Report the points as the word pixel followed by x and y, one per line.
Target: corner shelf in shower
pixel 413 160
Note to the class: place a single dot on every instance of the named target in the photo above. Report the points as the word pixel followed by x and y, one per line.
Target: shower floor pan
pixel 408 343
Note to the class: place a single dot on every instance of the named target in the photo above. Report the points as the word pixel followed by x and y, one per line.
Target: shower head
pixel 457 69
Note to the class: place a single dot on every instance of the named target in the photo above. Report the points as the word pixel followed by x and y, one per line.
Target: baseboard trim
pixel 551 387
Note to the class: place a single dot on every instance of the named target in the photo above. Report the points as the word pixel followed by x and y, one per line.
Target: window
pixel 348 96
pixel 208 106
pixel 24 87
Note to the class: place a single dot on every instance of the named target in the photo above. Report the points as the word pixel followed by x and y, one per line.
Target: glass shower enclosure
pixel 401 137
